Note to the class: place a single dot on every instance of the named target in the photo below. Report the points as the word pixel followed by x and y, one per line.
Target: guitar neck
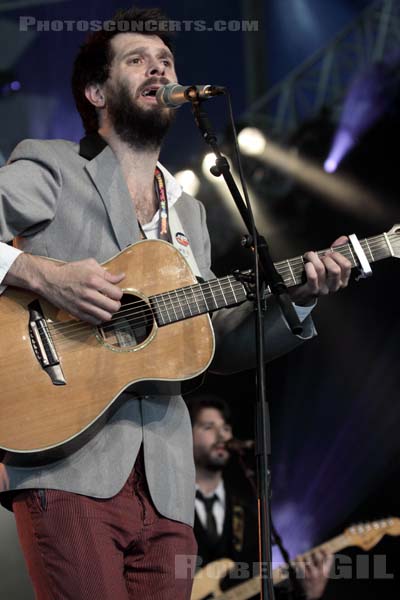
pixel 365 536
pixel 375 248
pixel 330 547
pixel 193 300
pixel 251 587
pixel 215 294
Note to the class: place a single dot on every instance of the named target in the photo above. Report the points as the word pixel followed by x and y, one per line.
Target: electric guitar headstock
pixel 367 535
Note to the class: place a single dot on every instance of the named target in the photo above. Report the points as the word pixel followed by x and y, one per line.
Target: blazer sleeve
pixel 30 185
pixel 234 328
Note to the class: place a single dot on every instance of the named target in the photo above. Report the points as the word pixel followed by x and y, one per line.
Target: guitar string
pixel 177 303
pixel 110 326
pixel 178 307
pixel 181 306
pixel 164 296
pixel 285 270
pixel 180 313
pixel 172 300
pixel 127 325
pixel 334 545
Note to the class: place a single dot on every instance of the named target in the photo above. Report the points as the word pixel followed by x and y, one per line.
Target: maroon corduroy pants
pixel 80 548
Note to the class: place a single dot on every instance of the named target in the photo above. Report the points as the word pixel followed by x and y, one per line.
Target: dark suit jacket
pixel 239 540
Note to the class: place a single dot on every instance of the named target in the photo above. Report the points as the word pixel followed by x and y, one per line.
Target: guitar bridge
pixel 43 345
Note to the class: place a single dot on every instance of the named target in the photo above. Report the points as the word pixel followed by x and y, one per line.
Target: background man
pixel 226 511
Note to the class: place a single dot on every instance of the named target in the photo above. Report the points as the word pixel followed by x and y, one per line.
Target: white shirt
pixel 7 256
pixel 218 509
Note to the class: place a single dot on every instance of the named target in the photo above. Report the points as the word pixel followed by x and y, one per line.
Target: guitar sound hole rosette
pixel 132 327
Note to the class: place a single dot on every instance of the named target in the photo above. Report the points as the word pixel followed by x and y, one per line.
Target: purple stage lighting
pixel 342 144
pixel 9 88
pixel 296 528
pixel 368 98
pixel 330 165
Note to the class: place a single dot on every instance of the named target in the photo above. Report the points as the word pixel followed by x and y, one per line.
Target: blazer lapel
pixel 107 177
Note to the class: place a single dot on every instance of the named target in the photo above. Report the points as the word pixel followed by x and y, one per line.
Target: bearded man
pixel 226 520
pixel 109 520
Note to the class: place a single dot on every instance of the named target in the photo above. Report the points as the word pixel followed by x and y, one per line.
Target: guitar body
pixel 206 582
pixel 60 378
pixel 35 414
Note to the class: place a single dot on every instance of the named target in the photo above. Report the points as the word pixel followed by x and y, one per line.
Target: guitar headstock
pixel 367 535
pixel 394 238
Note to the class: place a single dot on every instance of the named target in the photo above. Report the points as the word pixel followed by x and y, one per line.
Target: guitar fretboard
pixel 375 248
pixel 215 294
pixel 198 299
pixel 330 547
pixel 250 588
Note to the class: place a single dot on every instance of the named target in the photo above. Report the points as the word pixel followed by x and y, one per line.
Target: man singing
pixel 108 520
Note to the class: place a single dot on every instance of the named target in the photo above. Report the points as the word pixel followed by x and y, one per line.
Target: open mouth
pixel 150 91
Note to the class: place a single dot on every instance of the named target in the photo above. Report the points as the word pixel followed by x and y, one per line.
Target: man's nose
pixel 224 435
pixel 155 68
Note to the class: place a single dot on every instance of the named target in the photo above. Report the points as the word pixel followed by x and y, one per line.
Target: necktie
pixel 211 525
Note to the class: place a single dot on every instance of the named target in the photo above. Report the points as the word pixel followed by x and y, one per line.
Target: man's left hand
pixel 325 274
pixel 314 574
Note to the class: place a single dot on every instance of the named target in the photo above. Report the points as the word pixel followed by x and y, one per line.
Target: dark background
pixel 334 401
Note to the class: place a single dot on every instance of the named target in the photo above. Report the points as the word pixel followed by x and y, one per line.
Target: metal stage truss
pixel 323 79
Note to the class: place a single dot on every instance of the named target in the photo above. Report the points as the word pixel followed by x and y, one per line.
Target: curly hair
pixel 92 64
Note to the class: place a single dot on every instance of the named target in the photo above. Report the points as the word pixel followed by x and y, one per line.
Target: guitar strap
pixel 170 227
pixel 161 193
pixel 237 526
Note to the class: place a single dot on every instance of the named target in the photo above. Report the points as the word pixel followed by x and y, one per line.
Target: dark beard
pixel 140 129
pixel 214 463
pixel 215 467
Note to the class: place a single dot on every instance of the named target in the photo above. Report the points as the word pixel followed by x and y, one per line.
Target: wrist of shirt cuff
pixel 304 311
pixel 8 254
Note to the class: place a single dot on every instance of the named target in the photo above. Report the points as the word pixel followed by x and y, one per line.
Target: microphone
pixel 239 445
pixel 173 95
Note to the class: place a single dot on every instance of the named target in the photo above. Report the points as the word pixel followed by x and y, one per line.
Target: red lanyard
pixel 161 193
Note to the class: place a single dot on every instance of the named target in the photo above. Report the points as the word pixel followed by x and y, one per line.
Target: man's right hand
pixel 84 288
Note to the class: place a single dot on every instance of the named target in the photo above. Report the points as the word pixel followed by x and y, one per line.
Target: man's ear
pixel 94 93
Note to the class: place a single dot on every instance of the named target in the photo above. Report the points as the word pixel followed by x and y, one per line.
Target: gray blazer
pixel 65 202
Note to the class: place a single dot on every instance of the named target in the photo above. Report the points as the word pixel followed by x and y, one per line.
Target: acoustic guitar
pixel 206 584
pixel 60 378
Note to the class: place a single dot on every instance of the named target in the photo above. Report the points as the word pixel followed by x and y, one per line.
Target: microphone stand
pixel 274 281
pixel 295 590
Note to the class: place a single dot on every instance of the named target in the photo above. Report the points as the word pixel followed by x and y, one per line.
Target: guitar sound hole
pixel 130 326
